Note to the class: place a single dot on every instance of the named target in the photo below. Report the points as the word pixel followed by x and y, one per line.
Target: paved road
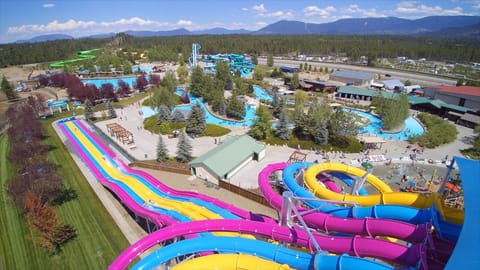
pixel 415 78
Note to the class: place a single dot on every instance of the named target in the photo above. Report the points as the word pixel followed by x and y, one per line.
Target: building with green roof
pixel 229 157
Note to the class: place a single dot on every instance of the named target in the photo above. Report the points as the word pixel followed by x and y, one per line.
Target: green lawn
pixel 99 240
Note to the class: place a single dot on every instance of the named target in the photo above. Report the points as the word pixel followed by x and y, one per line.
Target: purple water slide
pixel 166 189
pixel 357 245
pixel 357 226
pixel 155 217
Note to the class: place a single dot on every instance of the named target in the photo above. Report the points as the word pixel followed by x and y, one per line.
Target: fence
pixel 244 193
pixel 159 167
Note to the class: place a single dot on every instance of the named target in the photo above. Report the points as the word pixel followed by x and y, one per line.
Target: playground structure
pixel 162 206
pixel 82 56
pixel 58 104
pixel 120 133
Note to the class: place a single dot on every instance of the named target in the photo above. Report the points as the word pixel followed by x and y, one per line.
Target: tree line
pixel 178 48
pixel 37 186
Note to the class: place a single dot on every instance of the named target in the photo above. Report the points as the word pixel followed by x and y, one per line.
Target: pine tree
pixel 184 149
pixel 111 110
pixel 321 134
pixel 295 82
pixel 7 88
pixel 222 107
pixel 88 109
pixel 235 108
pixel 162 151
pixel 178 116
pixel 278 105
pixel 163 114
pixel 282 131
pixel 196 120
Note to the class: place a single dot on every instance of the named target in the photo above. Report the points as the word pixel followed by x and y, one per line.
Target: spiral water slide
pixel 386 195
pixel 351 220
pixel 82 56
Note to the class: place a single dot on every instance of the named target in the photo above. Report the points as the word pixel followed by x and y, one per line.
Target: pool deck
pixel 146 143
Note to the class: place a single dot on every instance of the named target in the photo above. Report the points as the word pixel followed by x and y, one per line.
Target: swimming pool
pixel 261 94
pixel 411 127
pixel 209 118
pixel 114 81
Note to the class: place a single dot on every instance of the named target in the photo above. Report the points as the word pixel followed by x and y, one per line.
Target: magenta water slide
pixel 356 226
pixel 356 246
pixel 155 217
pixel 166 189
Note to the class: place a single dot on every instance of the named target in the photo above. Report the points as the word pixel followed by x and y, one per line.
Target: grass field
pixel 99 239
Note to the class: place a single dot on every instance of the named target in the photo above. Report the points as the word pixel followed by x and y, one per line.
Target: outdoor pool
pixel 411 128
pixel 209 118
pixel 114 81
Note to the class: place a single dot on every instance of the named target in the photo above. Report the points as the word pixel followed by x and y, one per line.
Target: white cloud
pixel 412 9
pixel 48 5
pixel 184 23
pixel 259 8
pixel 244 9
pixel 261 11
pixel 317 11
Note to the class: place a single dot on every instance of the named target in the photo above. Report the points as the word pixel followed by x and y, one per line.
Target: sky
pixel 24 19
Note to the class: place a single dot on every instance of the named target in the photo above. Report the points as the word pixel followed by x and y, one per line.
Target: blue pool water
pixel 98 82
pixel 411 127
pixel 261 94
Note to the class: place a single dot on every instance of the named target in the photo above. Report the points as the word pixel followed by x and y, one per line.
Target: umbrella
pixel 411 184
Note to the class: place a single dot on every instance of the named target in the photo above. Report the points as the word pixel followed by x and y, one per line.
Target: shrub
pixel 438 131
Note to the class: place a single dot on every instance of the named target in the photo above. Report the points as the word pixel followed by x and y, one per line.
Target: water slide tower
pixel 192 60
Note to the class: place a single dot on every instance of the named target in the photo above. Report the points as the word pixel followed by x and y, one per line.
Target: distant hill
pixel 438 26
pixel 221 31
pixel 471 31
pixel 369 26
pixel 175 32
pixel 45 38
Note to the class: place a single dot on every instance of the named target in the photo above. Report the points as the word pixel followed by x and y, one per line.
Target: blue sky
pixel 23 19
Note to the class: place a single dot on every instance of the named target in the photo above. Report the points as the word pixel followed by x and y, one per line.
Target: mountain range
pixel 437 26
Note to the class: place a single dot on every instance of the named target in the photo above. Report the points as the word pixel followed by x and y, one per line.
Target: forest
pixel 178 48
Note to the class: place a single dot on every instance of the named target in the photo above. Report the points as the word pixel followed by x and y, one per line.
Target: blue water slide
pixel 128 190
pixel 222 212
pixel 277 253
pixel 396 212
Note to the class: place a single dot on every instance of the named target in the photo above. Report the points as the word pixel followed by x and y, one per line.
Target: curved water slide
pixel 356 246
pixel 271 252
pixel 82 56
pixel 396 212
pixel 386 195
pixel 201 199
pixel 356 220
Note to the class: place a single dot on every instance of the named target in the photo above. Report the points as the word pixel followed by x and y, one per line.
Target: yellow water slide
pixel 191 210
pixel 230 262
pixel 386 195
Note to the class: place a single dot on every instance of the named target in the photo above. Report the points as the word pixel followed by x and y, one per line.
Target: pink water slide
pixel 356 246
pixel 356 226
